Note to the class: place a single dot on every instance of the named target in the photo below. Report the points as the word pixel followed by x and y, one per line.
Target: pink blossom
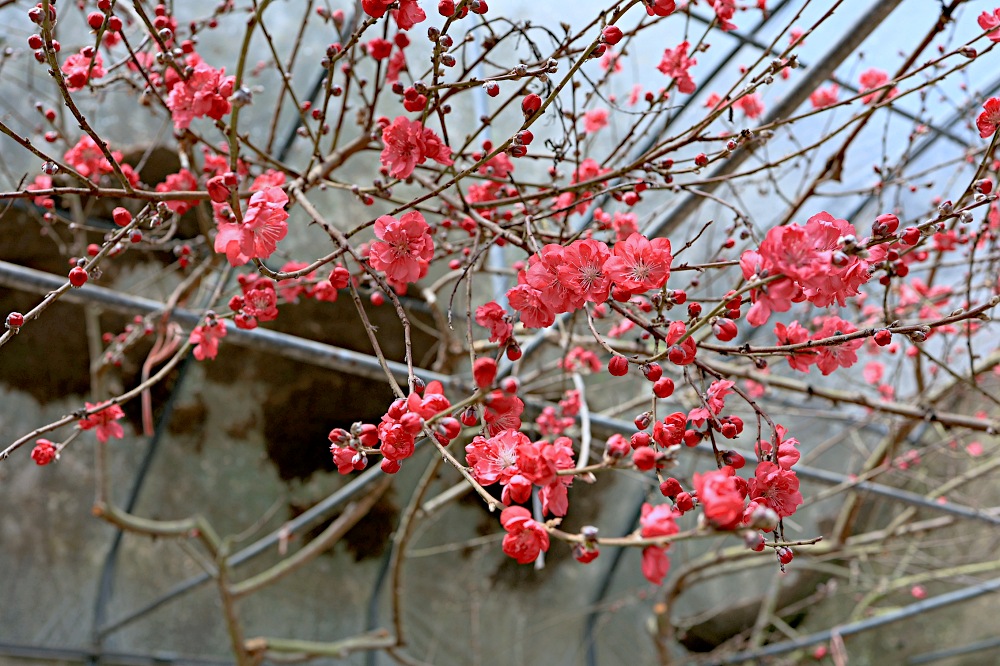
pixel 611 60
pixel 79 69
pixel 182 181
pixel 989 119
pixel 262 227
pixel 404 248
pixel 525 538
pixel 543 275
pixel 206 92
pixel 831 357
pixel 379 48
pixel 788 455
pixel 655 564
pixel 724 10
pixel 824 97
pixel 675 64
pixel 270 178
pixel 872 372
pixel 991 21
pixel 495 318
pixel 875 78
pixel 776 488
pixel 638 264
pixel 634 94
pixel 375 8
pixel 495 459
pixel 259 300
pixel 582 270
pixel 86 157
pixel 657 521
pixel 721 497
pixel 502 412
pixel 661 7
pixel 42 182
pixel 408 14
pixel 407 144
pixel 532 308
pixel 105 422
pixel 206 337
pixel 594 120
pixel 751 105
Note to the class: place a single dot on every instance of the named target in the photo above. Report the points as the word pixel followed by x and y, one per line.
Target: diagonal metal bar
pixel 940 601
pixel 822 71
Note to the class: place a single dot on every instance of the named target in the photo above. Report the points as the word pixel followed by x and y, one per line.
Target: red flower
pixel 42 182
pixel 531 306
pixel 724 10
pixel 407 144
pixel 206 92
pixel 991 21
pixel 79 68
pixel 545 274
pixel 594 120
pixel 495 318
pixel 582 270
pixel 105 422
pixel 670 431
pixel 989 119
pixel 44 452
pixel 776 488
pixel 720 495
pixel 375 8
pixel 484 371
pixel 87 158
pixel 408 14
pixel 206 339
pixel 503 412
pixel 685 352
pixel 638 264
pixel 676 63
pixel 495 459
pixel 404 248
pixel 830 357
pixel 263 226
pixel 525 537
pixel 379 48
pixel 875 78
pixel 657 521
pixel 752 105
pixel 661 8
pixel 824 97
pixel 788 455
pixel 655 564
pixel 182 181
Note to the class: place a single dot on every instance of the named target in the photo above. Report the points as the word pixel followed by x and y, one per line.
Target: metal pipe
pixel 940 601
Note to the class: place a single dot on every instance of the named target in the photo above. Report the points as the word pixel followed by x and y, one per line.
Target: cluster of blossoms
pixel 90 162
pixel 395 437
pixel 259 301
pixel 821 262
pixel 407 15
pixel 518 464
pixel 826 357
pixel 205 91
pixel 407 144
pixel 563 278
